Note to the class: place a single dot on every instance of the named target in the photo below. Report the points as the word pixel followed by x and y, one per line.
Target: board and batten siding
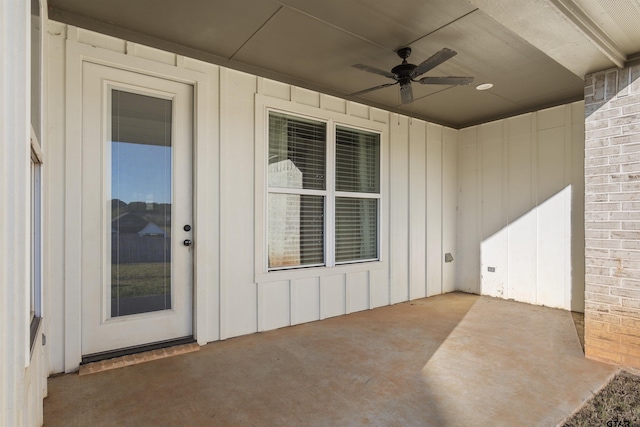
pixel 520 208
pixel 418 218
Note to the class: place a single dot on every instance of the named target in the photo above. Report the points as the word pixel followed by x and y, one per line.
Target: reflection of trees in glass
pixel 118 207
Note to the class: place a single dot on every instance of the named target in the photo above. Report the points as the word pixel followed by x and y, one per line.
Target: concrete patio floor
pixel 450 360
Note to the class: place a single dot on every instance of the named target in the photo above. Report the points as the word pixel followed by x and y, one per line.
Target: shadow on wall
pixel 521 208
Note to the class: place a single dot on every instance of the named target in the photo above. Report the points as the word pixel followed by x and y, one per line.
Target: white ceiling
pixel 535 52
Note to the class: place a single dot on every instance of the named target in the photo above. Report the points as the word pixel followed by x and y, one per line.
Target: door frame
pixel 102 331
pixel 205 203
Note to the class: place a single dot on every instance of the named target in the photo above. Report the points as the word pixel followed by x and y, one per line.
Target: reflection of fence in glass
pixel 141 257
pixel 133 248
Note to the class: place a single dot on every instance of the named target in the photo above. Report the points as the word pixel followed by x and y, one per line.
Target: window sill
pixel 34 330
pixel 308 272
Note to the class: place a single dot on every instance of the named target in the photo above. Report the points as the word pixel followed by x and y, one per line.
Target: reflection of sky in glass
pixel 140 172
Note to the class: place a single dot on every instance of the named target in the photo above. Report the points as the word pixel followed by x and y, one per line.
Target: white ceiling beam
pixel 560 29
pixel 591 30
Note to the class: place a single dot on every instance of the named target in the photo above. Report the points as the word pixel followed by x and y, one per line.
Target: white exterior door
pixel 137 261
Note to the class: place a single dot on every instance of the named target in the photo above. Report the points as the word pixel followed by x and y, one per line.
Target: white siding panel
pixel 100 40
pixel 552 222
pixel 203 67
pixel 238 290
pixel 358 110
pixel 494 235
pixel 468 262
pixel 398 202
pixel 553 217
pixel 417 209
pixel 274 305
pixel 152 54
pixel 435 257
pixel 379 285
pixel 449 208
pixel 275 89
pixel 305 300
pixel 490 144
pixel 207 197
pixel 35 386
pixel 333 296
pixel 551 118
pixel 332 103
pixel 305 97
pixel 522 220
pixel 529 195
pixel 54 190
pixel 379 116
pixel 357 291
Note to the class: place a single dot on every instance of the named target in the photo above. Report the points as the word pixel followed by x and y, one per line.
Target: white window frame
pixel 35 291
pixel 354 195
pixel 36 228
pixel 264 105
pixel 326 194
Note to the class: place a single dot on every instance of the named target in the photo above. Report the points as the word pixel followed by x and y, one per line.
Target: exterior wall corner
pixel 612 216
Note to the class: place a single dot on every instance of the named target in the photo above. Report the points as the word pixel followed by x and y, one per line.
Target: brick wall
pixel 612 216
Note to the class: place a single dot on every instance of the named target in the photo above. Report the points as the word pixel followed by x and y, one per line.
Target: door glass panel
pixel 141 183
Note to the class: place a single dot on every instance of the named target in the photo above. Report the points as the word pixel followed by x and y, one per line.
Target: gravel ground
pixel 616 405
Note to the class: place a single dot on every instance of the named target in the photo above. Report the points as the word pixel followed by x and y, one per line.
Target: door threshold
pixel 106 361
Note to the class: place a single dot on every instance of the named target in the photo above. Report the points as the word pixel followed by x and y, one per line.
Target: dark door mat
pixel 134 359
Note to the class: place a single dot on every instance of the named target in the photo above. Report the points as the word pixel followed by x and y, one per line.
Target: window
pixel 357 194
pixel 36 67
pixel 36 232
pixel 35 285
pixel 323 193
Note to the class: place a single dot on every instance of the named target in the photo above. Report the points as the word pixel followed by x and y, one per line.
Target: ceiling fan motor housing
pixel 404 71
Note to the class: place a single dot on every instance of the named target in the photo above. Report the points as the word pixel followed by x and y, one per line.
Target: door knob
pixel 187 242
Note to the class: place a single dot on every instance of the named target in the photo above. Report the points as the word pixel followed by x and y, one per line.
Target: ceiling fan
pixel 406 73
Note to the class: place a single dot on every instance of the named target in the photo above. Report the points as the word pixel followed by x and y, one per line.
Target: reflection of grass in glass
pixel 141 279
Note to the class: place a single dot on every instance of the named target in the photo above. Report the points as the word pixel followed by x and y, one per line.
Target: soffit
pixel 618 19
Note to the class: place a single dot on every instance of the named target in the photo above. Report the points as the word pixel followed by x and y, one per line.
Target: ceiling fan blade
pixel 374 70
pixel 437 59
pixel 371 89
pixel 452 81
pixel 406 93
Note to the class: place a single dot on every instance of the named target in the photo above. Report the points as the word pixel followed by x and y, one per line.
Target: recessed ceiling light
pixel 484 86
